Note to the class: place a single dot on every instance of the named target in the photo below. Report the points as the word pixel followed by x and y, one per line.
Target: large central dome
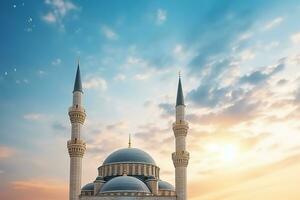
pixel 129 155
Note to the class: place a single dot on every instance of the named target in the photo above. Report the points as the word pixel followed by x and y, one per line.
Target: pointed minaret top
pixel 129 141
pixel 77 84
pixel 179 99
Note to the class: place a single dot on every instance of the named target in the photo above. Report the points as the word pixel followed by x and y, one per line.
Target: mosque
pixel 127 173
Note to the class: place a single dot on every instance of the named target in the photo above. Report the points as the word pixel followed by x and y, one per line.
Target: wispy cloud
pixel 161 16
pixel 109 33
pixel 141 77
pixel 95 82
pixel 49 17
pixel 295 38
pixel 58 11
pixel 57 61
pixel 119 77
pixel 272 24
pixel 34 116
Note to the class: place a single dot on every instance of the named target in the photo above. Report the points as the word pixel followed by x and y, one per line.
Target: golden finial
pixel 78 60
pixel 179 74
pixel 129 141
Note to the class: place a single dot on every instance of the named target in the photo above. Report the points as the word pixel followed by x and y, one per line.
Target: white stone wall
pixel 77 98
pixel 130 168
pixel 180 143
pixel 180 112
pixel 181 182
pixel 75 177
pixel 126 198
pixel 76 128
pixel 76 146
pixel 181 156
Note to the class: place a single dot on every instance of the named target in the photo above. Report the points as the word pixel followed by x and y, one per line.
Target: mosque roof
pixel 124 184
pixel 164 185
pixel 88 187
pixel 129 155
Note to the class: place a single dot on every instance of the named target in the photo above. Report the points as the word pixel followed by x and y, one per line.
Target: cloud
pixel 272 24
pixel 95 82
pixel 295 38
pixel 34 116
pixel 219 181
pixel 57 61
pixel 118 125
pixel 211 92
pixel 141 77
pixel 206 95
pixel 57 126
pixel 41 73
pixel 168 109
pixel 119 77
pixel 161 16
pixel 6 152
pixel 45 189
pixel 247 55
pixel 50 18
pixel 58 11
pixel 109 33
pixel 257 77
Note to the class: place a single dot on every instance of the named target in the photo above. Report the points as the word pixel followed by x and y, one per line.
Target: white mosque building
pixel 127 173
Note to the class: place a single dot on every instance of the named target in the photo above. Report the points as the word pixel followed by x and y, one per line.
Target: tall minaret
pixel 76 146
pixel 180 157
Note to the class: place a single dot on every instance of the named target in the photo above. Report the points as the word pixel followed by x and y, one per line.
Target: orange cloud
pixel 6 152
pixel 225 180
pixel 35 190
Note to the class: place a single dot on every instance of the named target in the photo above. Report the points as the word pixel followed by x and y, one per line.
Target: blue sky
pixel 239 61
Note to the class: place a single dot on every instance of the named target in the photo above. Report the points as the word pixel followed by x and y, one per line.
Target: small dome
pixel 163 185
pixel 88 187
pixel 124 184
pixel 129 155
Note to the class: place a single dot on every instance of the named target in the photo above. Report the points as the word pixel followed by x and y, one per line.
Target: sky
pixel 239 62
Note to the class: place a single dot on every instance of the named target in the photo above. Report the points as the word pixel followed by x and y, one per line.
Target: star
pixel 15 69
pixel 5 73
pixel 14 5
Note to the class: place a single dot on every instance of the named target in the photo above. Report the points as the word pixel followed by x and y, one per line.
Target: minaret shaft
pixel 76 146
pixel 180 156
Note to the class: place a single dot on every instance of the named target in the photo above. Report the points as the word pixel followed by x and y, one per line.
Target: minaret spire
pixel 77 84
pixel 179 99
pixel 129 141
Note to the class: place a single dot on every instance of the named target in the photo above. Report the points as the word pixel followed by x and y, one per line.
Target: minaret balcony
pixel 77 115
pixel 180 129
pixel 76 108
pixel 76 148
pixel 180 158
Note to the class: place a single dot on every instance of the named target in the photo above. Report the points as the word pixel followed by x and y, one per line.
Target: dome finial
pixel 129 141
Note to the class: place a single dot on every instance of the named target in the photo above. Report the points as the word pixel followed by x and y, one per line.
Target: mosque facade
pixel 127 173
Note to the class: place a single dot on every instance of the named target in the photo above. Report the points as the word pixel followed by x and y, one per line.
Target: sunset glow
pixel 240 69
